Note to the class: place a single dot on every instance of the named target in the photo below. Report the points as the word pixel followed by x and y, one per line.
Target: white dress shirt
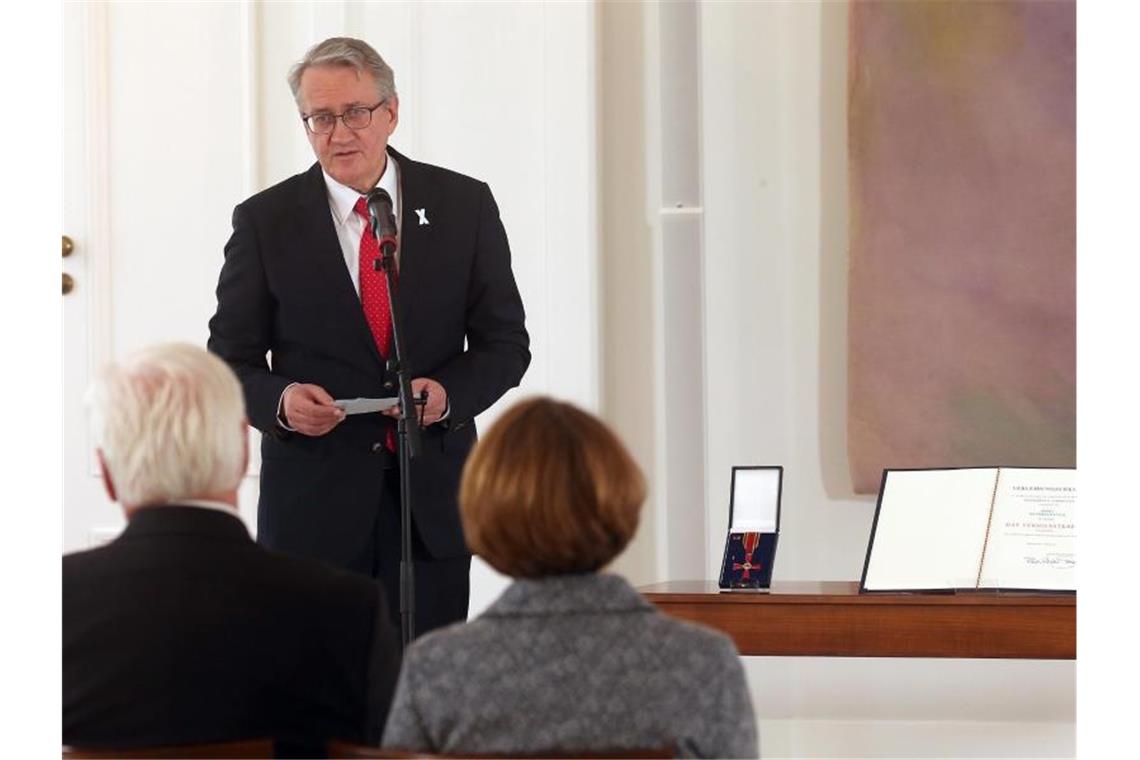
pixel 217 506
pixel 350 225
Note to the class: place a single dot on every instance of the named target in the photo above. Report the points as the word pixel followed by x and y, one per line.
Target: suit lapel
pixel 416 243
pixel 319 240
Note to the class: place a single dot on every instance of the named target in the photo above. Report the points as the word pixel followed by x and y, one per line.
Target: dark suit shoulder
pixel 286 194
pixel 286 579
pixel 458 187
pixel 444 176
pixel 77 565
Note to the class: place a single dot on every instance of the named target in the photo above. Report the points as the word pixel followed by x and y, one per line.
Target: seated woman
pixel 568 659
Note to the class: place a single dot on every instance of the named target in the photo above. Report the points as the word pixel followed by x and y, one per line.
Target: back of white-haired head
pixel 169 421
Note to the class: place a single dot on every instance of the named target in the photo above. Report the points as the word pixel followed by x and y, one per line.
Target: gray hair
pixel 170 423
pixel 345 51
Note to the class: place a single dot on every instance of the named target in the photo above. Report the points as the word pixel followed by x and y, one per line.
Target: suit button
pixel 377 448
pixel 389 385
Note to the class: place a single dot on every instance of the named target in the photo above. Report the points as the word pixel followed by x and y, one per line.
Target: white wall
pixel 771 353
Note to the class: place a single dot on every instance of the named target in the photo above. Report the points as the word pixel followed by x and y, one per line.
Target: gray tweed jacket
pixel 573 663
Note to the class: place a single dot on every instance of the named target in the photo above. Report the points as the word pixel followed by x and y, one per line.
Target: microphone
pixel 383 222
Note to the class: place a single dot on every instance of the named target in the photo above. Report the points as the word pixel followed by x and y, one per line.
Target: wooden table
pixel 832 619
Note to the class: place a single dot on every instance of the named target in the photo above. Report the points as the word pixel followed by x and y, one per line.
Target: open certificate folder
pixel 974 528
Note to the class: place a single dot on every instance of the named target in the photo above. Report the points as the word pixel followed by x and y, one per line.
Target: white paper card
pixel 365 405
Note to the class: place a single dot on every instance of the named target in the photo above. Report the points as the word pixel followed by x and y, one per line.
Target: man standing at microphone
pixel 299 282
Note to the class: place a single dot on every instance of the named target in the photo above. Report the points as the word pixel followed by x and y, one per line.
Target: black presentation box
pixel 753 528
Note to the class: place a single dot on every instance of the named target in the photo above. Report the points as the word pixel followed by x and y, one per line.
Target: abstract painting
pixel 962 295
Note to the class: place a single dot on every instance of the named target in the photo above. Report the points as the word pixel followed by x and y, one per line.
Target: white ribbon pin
pixel 422 213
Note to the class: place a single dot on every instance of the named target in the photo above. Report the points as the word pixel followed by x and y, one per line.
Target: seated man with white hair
pixel 183 630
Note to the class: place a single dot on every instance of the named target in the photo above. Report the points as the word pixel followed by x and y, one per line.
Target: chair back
pixel 346 751
pixel 239 750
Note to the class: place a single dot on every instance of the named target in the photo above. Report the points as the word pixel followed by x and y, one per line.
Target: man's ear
pixel 108 484
pixel 244 447
pixel 393 106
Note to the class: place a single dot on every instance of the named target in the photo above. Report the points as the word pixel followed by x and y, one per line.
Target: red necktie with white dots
pixel 373 285
pixel 374 296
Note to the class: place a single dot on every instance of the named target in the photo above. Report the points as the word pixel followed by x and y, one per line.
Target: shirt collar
pixel 569 594
pixel 342 198
pixel 186 516
pixel 221 506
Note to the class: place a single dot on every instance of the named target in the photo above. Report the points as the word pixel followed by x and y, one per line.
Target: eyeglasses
pixel 357 117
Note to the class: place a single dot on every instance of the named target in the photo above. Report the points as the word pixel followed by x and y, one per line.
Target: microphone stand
pixel 407 436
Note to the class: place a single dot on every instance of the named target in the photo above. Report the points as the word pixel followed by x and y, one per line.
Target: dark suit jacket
pixel 284 288
pixel 183 630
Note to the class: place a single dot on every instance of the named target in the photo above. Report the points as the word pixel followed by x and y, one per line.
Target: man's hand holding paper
pixel 310 410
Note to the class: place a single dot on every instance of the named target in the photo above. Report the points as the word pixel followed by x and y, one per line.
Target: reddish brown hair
pixel 549 490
